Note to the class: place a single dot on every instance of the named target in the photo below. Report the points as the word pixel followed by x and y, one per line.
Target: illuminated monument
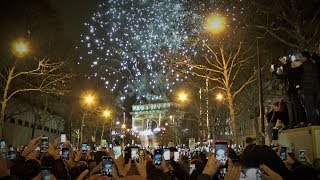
pixel 149 119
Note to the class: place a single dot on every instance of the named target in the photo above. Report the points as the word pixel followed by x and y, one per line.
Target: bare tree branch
pixel 250 80
pixel 277 37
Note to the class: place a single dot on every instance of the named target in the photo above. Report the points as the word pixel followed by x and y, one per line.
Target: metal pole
pixel 200 113
pixel 81 128
pixel 207 104
pixel 104 124
pixel 261 107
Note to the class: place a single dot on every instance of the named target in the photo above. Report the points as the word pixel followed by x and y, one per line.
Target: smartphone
pixel 135 153
pixel 252 173
pixel 11 153
pixel 302 154
pixel 44 145
pixel 2 144
pixel 176 156
pixel 259 173
pixel 107 166
pixel 272 66
pixel 84 148
pixel 221 152
pixel 158 156
pixel 46 174
pixel 192 168
pixel 166 154
pixel 283 153
pixel 126 154
pixel 117 151
pixel 275 133
pixel 65 154
pixel 63 137
pixel 110 146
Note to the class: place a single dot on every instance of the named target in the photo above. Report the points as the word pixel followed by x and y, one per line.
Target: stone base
pixel 306 138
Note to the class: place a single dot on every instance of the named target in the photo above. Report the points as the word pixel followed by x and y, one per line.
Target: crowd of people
pixel 63 161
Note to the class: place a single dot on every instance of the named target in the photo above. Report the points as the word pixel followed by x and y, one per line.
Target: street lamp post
pixel 219 98
pixel 106 114
pixel 19 49
pixel 88 101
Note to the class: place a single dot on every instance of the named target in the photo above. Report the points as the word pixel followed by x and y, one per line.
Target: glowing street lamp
pixel 216 24
pixel 123 126
pixel 20 48
pixel 106 113
pixel 89 99
pixel 219 97
pixel 182 97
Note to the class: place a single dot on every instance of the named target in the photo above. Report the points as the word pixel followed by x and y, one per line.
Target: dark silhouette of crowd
pixel 252 162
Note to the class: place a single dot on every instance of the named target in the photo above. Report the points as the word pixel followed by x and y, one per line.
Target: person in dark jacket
pixel 309 93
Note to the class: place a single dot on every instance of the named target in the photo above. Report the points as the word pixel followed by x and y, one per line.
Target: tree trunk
pixel 232 116
pixel 5 100
pixel 104 124
pixel 33 131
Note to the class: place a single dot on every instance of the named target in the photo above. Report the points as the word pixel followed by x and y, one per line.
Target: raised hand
pixel 270 174
pixel 212 166
pixel 233 173
pixel 52 151
pixel 142 167
pixel 33 144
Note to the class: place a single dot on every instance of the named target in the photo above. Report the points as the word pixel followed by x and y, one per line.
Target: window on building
pixel 55 131
pixel 33 126
pixel 19 122
pixel 46 129
pixel 52 131
pixel 26 124
pixel 39 127
pixel 12 120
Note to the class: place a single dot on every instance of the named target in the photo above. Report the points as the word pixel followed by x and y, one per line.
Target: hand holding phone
pixel 158 156
pixel 117 151
pixel 221 152
pixel 63 137
pixel 135 153
pixel 166 154
pixel 192 168
pixel 283 153
pixel 84 148
pixel 107 166
pixel 44 145
pixel 176 156
pixel 65 154
pixel 302 154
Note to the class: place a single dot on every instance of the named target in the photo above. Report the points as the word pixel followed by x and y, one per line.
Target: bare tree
pixel 295 23
pixel 46 77
pixel 223 68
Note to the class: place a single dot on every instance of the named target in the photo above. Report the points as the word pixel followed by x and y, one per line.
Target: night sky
pixel 73 13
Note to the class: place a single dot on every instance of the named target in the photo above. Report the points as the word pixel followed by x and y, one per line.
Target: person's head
pixel 98 156
pixel 199 166
pixel 30 169
pixel 78 169
pixel 254 156
pixel 60 170
pixel 304 56
pixel 46 160
pixel 249 141
pixel 233 155
pixel 316 164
